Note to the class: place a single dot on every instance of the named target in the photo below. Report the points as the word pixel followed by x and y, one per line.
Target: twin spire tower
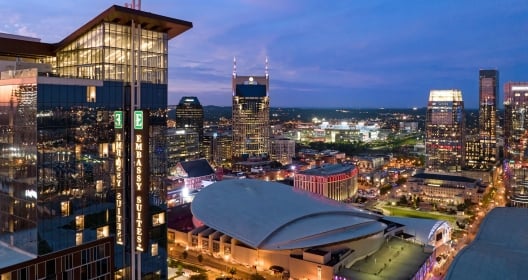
pixel 266 68
pixel 251 124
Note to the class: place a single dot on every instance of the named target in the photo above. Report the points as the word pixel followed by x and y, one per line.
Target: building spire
pixel 267 68
pixel 234 67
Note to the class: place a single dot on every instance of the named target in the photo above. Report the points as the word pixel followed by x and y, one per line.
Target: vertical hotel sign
pixel 119 182
pixel 141 177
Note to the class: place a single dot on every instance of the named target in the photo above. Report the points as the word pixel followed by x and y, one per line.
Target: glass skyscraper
pixel 190 115
pixel 75 165
pixel 444 130
pixel 251 124
pixel 488 97
pixel 516 127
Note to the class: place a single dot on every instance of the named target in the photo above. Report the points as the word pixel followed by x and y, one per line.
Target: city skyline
pixel 368 54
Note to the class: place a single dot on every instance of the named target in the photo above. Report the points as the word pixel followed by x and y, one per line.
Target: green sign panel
pixel 138 119
pixel 118 119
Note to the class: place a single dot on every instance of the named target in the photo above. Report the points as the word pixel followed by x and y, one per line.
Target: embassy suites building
pixel 83 162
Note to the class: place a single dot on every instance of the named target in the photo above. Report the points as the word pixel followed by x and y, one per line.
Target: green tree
pixel 179 270
pixel 403 200
pixel 401 181
pixel 201 276
pixel 232 271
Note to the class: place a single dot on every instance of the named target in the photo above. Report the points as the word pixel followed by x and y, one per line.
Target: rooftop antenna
pixel 133 5
pixel 267 68
pixel 234 67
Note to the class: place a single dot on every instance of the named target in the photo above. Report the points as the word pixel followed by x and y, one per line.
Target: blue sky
pixel 354 54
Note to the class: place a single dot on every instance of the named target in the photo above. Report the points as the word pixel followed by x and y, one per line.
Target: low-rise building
pixel 194 172
pixel 336 181
pixel 446 189
pixel 189 177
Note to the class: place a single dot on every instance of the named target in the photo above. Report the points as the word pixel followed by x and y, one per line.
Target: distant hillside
pixel 213 113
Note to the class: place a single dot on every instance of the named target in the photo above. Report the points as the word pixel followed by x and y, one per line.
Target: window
pixel 158 219
pixel 65 208
pixel 90 94
pixel 50 267
pixel 79 222
pixel 102 232
pixel 154 249
pixel 78 238
pixel 99 186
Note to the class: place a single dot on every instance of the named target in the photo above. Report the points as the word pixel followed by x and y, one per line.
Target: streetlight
pixel 226 258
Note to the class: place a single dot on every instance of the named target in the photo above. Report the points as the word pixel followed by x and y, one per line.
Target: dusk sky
pixel 348 54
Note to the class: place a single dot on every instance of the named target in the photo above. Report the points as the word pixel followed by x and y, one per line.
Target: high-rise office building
pixel 251 123
pixel 182 144
pixel 444 130
pixel 190 115
pixel 218 147
pixel 83 173
pixel 282 149
pixel 516 125
pixel 488 98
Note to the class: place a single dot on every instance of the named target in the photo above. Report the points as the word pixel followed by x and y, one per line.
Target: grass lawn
pixel 411 213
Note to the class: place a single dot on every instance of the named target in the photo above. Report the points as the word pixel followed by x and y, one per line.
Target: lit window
pixel 102 232
pixel 158 219
pixel 65 208
pixel 79 222
pixel 78 238
pixel 154 249
pixel 99 186
pixel 90 94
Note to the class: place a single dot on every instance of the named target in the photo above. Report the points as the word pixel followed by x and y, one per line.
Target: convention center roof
pixel 274 216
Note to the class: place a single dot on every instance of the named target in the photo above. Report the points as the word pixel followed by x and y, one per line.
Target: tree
pixel 232 271
pixel 185 254
pixel 256 276
pixel 200 258
pixel 201 276
pixel 179 270
pixel 401 181
pixel 403 200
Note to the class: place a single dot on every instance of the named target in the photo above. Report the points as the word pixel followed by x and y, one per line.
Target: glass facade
pixel 58 164
pixel 19 208
pixel 104 53
pixel 444 131
pixel 190 115
pixel 251 126
pixel 488 94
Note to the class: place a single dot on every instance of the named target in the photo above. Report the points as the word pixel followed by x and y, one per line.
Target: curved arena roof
pixel 499 251
pixel 274 216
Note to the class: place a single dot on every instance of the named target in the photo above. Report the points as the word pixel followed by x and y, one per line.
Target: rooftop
pixel 32 47
pixel 327 170
pixel 444 177
pixel 11 255
pixel 273 216
pixel 197 168
pixel 499 251
pixel 397 259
